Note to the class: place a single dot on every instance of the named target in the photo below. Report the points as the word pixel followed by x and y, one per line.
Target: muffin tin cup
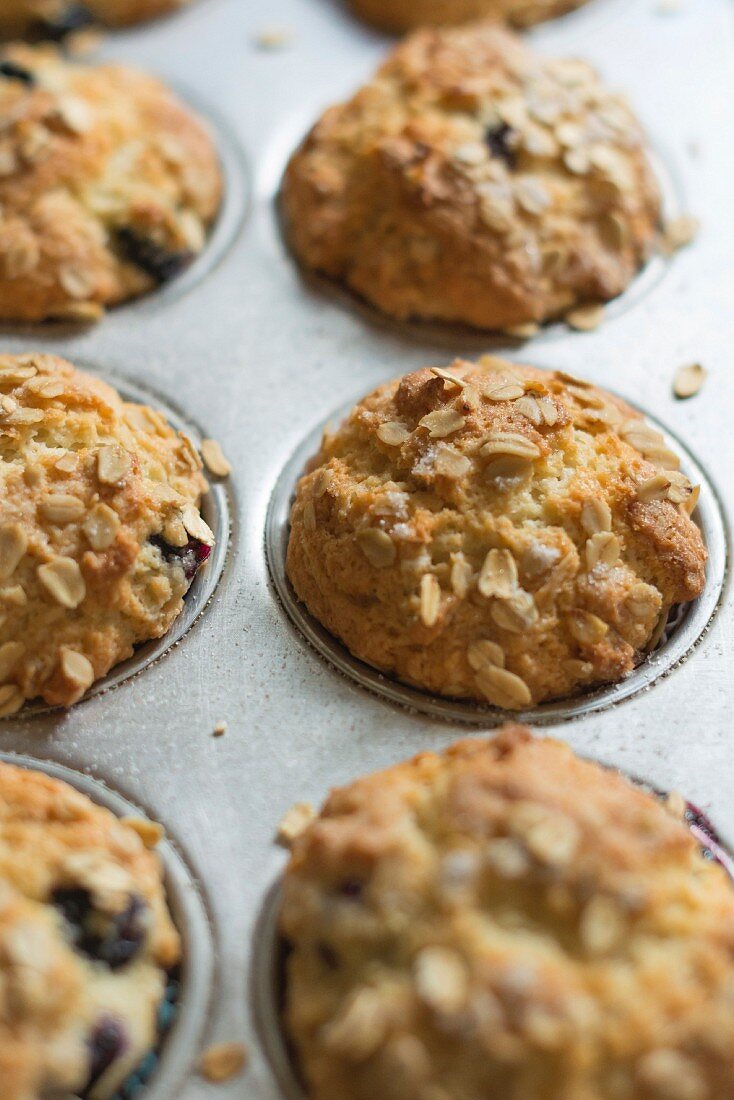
pixel 180 1042
pixel 243 344
pixel 221 238
pixel 686 627
pixel 465 339
pixel 269 953
pixel 215 508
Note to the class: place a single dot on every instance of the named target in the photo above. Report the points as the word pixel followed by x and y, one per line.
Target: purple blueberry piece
pixel 190 557
pixel 111 940
pixel 162 264
pixel 351 888
pixel 499 139
pixel 10 70
pixel 69 18
pixel 106 1044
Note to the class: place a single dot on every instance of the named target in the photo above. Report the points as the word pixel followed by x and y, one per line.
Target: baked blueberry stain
pixel 499 140
pixel 328 956
pixel 12 71
pixel 351 888
pixel 114 940
pixel 55 28
pixel 190 557
pixel 106 1044
pixel 162 264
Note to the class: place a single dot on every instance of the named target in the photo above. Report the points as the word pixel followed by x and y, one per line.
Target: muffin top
pixel 506 920
pixel 108 185
pixel 406 15
pixel 55 19
pixel 100 530
pixel 495 532
pixel 473 181
pixel 85 940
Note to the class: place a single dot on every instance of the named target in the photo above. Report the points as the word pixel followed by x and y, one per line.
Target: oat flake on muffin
pixel 86 940
pixel 108 186
pixel 56 19
pixel 408 15
pixel 474 181
pixel 495 532
pixel 100 529
pixel 506 921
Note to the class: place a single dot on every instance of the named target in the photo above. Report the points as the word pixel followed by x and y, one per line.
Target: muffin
pixel 473 181
pixel 108 186
pixel 495 532
pixel 85 942
pixel 55 19
pixel 100 530
pixel 507 921
pixel 407 15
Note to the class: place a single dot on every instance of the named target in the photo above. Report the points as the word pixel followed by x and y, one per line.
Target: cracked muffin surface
pixel 473 181
pixel 55 19
pixel 108 186
pixel 407 15
pixel 495 532
pixel 85 942
pixel 100 529
pixel 506 920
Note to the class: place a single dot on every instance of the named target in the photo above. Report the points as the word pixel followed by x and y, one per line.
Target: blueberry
pixel 12 71
pixel 106 1043
pixel 55 28
pixel 328 956
pixel 498 138
pixel 111 940
pixel 155 260
pixel 190 557
pixel 351 888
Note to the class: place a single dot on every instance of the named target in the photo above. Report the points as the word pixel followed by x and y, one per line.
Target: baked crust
pixel 507 920
pixel 495 532
pixel 100 530
pixel 108 185
pixel 54 18
pixel 473 181
pixel 407 15
pixel 54 996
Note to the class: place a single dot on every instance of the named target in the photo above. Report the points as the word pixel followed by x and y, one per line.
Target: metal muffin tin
pixel 257 356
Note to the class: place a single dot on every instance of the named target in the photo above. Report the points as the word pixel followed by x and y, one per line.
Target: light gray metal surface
pixel 257 358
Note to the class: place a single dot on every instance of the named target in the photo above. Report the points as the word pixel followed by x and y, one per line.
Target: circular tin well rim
pixel 181 1042
pixel 457 336
pixel 267 974
pixel 215 509
pixel 689 627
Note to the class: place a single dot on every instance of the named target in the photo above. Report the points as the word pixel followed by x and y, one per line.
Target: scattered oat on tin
pixel 222 1061
pixel 273 38
pixel 220 729
pixel 689 380
pixel 214 458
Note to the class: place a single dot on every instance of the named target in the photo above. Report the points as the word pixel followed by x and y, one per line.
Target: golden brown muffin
pixel 100 531
pixel 474 181
pixel 85 940
pixel 495 532
pixel 54 19
pixel 507 922
pixel 108 185
pixel 407 15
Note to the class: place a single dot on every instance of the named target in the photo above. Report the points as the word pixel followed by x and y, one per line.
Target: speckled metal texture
pixel 257 358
